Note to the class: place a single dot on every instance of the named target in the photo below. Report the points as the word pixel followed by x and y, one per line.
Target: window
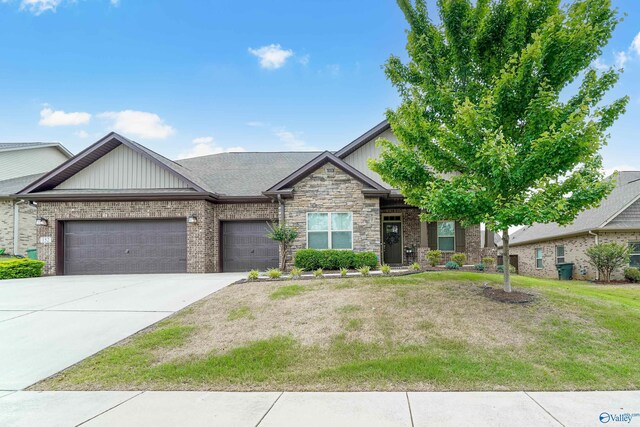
pixel 634 260
pixel 538 258
pixel 329 230
pixel 559 254
pixel 447 236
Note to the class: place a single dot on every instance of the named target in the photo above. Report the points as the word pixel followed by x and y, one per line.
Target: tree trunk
pixel 506 261
pixel 283 262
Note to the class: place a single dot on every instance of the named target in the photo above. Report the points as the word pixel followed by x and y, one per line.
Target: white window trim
pixel 438 236
pixel 633 243
pixel 329 230
pixel 535 254
pixel 564 250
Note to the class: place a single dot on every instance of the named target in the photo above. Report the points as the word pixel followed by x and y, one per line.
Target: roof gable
pixel 363 139
pixel 285 186
pixel 89 159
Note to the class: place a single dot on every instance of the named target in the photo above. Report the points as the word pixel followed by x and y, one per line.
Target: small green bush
pixel 459 258
pixel 386 269
pixel 296 272
pixel 366 259
pixel 274 273
pixel 344 271
pixel 318 273
pixel 253 275
pixel 632 274
pixel 480 267
pixel 500 268
pixel 452 265
pixel 434 257
pixel 364 270
pixel 333 259
pixel 488 261
pixel 20 268
pixel 416 267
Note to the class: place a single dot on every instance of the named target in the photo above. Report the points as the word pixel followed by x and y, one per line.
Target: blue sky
pixel 195 77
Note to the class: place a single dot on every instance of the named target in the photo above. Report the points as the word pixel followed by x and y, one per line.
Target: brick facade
pixel 329 189
pixel 26 226
pixel 473 250
pixel 574 251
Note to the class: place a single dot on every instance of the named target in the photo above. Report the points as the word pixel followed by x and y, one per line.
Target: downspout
pixel 281 219
pixel 596 239
pixel 16 225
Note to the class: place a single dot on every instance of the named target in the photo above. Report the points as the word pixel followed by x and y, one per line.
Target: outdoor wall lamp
pixel 192 219
pixel 41 222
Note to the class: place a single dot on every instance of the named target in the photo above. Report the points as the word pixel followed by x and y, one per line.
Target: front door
pixel 392 240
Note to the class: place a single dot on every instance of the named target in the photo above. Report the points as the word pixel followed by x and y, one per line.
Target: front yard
pixel 432 331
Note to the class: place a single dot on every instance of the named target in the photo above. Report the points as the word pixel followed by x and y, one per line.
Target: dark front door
pixel 245 246
pixel 129 246
pixel 392 242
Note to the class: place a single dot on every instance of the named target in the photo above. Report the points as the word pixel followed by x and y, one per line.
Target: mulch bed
pixel 514 297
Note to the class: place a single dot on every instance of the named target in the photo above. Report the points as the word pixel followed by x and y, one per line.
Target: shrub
pixel 500 268
pixel 452 265
pixel 480 267
pixel 318 273
pixel 284 236
pixel 434 257
pixel 488 261
pixel 459 258
pixel 274 273
pixel 386 269
pixel 296 272
pixel 20 268
pixel 333 259
pixel 364 270
pixel 253 275
pixel 607 257
pixel 344 271
pixel 416 267
pixel 2 250
pixel 632 274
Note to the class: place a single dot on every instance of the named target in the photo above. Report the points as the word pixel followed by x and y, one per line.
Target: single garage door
pixel 245 246
pixel 122 247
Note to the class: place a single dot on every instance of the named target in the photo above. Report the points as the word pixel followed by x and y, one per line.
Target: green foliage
pixel 480 267
pixel 459 258
pixel 318 274
pixel 434 257
pixel 452 265
pixel 253 275
pixel 274 273
pixel 344 271
pixel 2 251
pixel 632 274
pixel 364 270
pixel 242 312
pixel 20 268
pixel 502 117
pixel 488 261
pixel 296 272
pixel 287 291
pixel 415 266
pixel 500 268
pixel 333 259
pixel 385 268
pixel 608 257
pixel 285 236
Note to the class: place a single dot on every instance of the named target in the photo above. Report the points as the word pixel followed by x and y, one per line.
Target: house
pixel 118 207
pixel 20 164
pixel 540 247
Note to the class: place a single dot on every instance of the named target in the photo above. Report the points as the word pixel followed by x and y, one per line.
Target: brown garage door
pixel 120 247
pixel 245 246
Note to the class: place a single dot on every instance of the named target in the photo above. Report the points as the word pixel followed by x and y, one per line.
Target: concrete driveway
pixel 50 323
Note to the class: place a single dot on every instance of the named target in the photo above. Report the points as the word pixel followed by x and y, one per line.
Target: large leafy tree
pixel 501 117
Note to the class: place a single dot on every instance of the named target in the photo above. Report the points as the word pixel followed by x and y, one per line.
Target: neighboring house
pixel 540 247
pixel 118 207
pixel 21 164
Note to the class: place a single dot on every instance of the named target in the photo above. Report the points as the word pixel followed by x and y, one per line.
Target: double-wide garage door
pixel 121 247
pixel 245 246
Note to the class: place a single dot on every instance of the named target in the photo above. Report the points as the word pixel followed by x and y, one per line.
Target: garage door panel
pixel 246 247
pixel 128 246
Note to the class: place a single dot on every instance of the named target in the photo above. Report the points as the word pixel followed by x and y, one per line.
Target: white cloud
pixel 255 124
pixel 50 117
pixel 272 56
pixel 138 123
pixel 293 141
pixel 333 69
pixel 621 59
pixel 635 44
pixel 620 168
pixel 39 6
pixel 205 146
pixel 305 59
pixel 81 134
pixel 115 2
pixel 599 65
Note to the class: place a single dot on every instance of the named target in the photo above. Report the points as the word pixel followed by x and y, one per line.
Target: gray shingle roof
pixel 14 145
pixel 11 186
pixel 245 174
pixel 626 191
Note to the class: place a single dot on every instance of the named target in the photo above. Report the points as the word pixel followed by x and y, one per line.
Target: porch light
pixel 41 222
pixel 192 219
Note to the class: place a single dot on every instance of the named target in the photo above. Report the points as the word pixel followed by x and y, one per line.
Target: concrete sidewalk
pixel 319 409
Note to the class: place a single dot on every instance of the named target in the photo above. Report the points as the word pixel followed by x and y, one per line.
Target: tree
pixel 285 236
pixel 501 117
pixel 608 257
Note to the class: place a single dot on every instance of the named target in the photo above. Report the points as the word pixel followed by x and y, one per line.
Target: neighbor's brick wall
pixel 26 227
pixel 200 236
pixel 410 227
pixel 329 189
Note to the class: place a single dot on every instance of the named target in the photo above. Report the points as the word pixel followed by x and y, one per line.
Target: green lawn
pixel 432 331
